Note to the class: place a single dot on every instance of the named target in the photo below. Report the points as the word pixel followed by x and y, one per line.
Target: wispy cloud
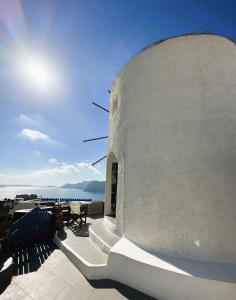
pixel 34 135
pixel 85 165
pixel 65 168
pixel 52 161
pixel 59 174
pixel 36 121
pixel 37 152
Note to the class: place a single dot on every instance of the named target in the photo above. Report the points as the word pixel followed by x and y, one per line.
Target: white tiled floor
pixel 58 278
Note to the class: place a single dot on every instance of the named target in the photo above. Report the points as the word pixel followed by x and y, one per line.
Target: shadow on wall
pixel 203 269
pixel 30 259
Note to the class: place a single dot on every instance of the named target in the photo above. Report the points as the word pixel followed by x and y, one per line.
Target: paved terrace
pixel 44 272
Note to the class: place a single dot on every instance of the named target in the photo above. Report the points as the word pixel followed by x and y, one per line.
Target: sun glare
pixel 37 72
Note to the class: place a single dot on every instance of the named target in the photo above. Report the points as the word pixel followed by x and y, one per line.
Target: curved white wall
pixel 173 127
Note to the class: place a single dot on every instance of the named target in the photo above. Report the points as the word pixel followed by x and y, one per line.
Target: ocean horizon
pixel 48 192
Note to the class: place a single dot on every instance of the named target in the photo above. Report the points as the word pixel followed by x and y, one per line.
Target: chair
pixel 77 213
pixel 83 213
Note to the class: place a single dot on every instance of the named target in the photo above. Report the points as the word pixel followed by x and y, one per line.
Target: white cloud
pixel 55 175
pixel 84 165
pixel 52 161
pixel 35 120
pixel 34 135
pixel 63 169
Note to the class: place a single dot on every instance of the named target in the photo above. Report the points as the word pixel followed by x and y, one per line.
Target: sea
pixel 49 192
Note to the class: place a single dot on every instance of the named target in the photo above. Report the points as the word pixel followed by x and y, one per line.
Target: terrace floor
pixel 44 272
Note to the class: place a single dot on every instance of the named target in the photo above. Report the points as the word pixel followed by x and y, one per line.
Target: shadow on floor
pixel 96 216
pixel 125 290
pixel 62 234
pixel 5 273
pixel 82 231
pixel 31 258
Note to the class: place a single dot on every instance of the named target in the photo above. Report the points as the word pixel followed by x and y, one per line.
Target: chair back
pixel 84 208
pixel 75 207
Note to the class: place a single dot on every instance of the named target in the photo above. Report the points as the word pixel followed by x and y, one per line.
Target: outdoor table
pixel 20 213
pixel 23 211
pixel 47 208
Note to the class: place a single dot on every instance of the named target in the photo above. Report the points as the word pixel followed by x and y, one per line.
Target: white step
pixel 84 254
pixel 102 237
pixel 110 223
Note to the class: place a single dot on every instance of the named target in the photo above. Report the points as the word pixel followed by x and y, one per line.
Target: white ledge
pixel 167 277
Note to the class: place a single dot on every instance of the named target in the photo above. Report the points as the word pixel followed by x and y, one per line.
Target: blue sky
pixel 82 45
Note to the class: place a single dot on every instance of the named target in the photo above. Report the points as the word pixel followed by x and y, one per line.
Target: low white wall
pixel 158 278
pixel 96 208
pixel 28 204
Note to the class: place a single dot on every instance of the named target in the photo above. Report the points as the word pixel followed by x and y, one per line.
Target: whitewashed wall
pixel 173 130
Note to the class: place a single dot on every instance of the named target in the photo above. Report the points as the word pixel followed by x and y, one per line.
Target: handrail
pixel 65 199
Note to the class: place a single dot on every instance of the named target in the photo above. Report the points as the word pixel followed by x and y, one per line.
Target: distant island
pixel 18 185
pixel 93 186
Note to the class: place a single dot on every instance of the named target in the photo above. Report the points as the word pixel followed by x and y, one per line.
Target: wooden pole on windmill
pixel 95 139
pixel 100 159
pixel 103 108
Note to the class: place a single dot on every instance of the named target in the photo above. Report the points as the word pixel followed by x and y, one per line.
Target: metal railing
pixel 64 199
pixel 35 226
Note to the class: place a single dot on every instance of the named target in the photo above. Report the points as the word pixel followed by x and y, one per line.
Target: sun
pixel 37 72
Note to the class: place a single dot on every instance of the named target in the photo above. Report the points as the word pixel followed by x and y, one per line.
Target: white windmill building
pixel 171 171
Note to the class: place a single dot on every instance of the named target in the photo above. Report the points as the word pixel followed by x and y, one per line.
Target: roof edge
pixel 187 34
pixel 231 39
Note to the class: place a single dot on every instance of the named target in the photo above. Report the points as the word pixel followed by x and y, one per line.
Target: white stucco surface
pixel 173 133
pixel 170 278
